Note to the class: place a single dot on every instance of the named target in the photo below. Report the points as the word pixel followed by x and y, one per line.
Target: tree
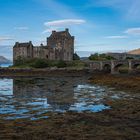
pixel 110 57
pixel 101 57
pixel 129 58
pixel 76 56
pixel 94 56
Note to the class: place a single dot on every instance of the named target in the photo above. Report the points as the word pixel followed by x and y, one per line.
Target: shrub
pixel 129 58
pixel 61 64
pixel 19 61
pixel 39 63
pixel 94 56
pixel 76 56
pixel 76 63
pixel 100 57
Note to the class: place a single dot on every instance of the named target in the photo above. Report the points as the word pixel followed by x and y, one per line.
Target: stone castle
pixel 60 46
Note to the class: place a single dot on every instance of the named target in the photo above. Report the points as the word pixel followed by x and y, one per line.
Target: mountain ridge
pixel 136 51
pixel 4 60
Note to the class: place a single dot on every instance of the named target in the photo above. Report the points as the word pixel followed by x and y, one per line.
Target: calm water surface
pixel 32 97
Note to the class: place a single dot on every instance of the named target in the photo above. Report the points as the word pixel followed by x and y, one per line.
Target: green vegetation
pixel 20 61
pixel 39 63
pixel 42 63
pixel 99 57
pixel 76 64
pixel 76 56
pixel 129 58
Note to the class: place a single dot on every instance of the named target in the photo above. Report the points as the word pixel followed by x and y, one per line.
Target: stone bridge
pixel 114 65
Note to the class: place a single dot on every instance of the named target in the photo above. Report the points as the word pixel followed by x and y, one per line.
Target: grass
pixel 41 63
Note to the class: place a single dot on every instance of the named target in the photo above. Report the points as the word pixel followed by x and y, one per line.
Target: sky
pixel 98 25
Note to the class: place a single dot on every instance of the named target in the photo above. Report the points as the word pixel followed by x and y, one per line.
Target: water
pixel 6 65
pixel 33 97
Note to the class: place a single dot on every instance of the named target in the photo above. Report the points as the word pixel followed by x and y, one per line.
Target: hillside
pixel 4 60
pixel 137 52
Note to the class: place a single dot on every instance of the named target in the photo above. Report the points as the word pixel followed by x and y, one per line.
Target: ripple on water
pixel 80 107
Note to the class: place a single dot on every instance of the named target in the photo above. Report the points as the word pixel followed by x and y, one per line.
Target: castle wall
pixel 44 53
pixel 38 52
pixel 19 52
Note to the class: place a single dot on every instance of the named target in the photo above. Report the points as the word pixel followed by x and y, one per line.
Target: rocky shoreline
pixel 121 122
pixel 120 82
pixel 17 72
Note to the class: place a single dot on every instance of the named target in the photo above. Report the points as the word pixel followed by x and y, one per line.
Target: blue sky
pixel 98 25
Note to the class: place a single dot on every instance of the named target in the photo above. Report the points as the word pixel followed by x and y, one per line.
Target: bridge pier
pixel 113 71
pixel 130 66
pixel 101 66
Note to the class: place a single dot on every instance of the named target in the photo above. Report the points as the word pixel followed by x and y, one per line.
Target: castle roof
pixel 25 44
pixel 61 33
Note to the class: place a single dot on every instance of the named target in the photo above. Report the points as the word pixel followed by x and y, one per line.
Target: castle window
pixel 47 56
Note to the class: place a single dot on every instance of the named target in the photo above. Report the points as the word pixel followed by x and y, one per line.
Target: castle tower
pixel 63 44
pixel 23 50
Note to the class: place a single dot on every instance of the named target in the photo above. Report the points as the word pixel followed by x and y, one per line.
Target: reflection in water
pixel 31 97
pixel 54 94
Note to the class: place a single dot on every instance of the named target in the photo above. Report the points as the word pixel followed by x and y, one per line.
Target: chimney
pixel 17 43
pixel 30 42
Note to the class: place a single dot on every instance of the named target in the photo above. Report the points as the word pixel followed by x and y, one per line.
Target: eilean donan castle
pixel 60 46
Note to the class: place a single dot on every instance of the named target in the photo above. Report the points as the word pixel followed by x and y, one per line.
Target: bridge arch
pixel 107 68
pixel 135 66
pixel 121 68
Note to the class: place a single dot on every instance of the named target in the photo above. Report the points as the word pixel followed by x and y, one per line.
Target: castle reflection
pixel 58 92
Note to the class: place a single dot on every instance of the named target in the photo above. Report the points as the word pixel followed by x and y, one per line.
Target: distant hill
pixel 84 58
pixel 137 52
pixel 4 60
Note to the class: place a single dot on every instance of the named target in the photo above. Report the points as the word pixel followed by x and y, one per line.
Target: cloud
pixel 21 28
pixel 128 8
pixel 116 37
pixel 63 10
pixel 133 31
pixel 6 38
pixel 55 25
pixel 65 22
pixel 136 42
